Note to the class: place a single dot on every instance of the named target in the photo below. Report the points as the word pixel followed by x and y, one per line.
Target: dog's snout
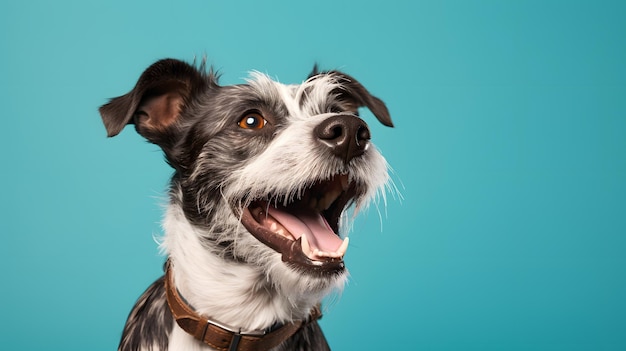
pixel 346 136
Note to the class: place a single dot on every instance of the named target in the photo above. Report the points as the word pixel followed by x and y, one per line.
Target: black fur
pixel 150 321
pixel 309 337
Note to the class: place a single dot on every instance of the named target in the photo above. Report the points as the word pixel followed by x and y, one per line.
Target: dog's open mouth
pixel 304 230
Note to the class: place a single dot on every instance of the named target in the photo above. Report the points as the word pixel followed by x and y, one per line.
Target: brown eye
pixel 252 121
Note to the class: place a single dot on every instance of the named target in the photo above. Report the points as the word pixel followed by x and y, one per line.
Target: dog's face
pixel 265 171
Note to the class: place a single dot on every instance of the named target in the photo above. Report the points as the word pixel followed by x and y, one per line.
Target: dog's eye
pixel 252 121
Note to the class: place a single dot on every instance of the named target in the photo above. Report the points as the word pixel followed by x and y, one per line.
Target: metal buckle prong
pixel 234 343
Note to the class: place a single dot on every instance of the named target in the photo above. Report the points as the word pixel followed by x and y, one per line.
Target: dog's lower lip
pixel 291 249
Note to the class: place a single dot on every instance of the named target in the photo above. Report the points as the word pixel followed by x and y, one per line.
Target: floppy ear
pixel 353 93
pixel 156 102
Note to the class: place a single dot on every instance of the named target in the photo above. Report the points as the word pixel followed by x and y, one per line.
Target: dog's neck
pixel 232 293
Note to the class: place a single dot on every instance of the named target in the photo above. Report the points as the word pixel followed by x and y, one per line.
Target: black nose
pixel 346 136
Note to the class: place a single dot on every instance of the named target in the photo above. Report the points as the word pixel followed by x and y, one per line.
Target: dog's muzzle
pixel 304 230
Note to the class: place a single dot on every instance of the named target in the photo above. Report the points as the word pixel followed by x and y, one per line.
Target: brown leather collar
pixel 224 338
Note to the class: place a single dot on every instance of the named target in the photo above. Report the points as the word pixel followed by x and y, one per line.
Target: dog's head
pixel 267 171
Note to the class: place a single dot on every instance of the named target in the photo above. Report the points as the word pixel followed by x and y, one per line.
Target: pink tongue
pixel 310 223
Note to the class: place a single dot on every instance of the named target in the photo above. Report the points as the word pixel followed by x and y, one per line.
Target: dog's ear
pixel 355 94
pixel 156 102
pixel 315 71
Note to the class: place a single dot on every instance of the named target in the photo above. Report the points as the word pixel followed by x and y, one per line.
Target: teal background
pixel 509 152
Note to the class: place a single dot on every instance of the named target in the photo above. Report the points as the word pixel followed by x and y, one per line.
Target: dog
pixel 266 176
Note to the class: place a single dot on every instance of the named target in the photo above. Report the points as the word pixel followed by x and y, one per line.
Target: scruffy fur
pixel 220 168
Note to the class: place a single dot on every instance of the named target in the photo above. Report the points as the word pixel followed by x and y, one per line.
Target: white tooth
pixel 328 199
pixel 335 195
pixel 306 248
pixel 273 227
pixel 344 246
pixel 313 203
pixel 344 182
pixel 321 204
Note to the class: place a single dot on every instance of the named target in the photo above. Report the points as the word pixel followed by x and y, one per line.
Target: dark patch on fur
pixel 309 337
pixel 150 322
